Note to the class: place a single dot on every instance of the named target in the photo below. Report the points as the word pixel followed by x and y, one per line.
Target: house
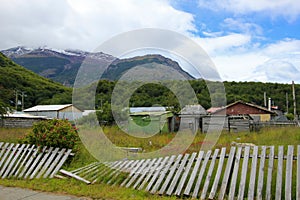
pixel 19 120
pixel 191 117
pixel 239 108
pixel 67 111
pixel 150 120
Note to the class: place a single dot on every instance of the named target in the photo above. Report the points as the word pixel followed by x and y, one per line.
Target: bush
pixel 54 133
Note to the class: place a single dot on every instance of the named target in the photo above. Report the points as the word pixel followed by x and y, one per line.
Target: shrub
pixel 54 133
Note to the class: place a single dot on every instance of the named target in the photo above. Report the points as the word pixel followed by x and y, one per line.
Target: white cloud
pixel 287 8
pixel 84 24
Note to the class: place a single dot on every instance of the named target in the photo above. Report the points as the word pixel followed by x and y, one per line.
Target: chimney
pixel 269 105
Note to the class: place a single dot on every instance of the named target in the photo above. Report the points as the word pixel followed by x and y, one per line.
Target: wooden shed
pixel 67 111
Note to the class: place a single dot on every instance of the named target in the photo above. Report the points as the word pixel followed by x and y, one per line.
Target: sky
pixel 247 40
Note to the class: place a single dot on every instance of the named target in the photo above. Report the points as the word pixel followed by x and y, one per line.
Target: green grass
pixel 276 137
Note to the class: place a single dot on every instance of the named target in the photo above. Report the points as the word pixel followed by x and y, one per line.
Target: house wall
pixel 18 122
pixel 70 113
pixel 242 109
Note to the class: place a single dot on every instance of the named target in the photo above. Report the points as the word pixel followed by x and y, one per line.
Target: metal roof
pixel 47 108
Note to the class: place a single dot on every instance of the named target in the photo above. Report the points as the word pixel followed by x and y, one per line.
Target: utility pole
pixel 294 100
pixel 23 95
pixel 16 103
pixel 265 99
pixel 287 102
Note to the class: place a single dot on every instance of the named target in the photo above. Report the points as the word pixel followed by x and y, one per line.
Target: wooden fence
pixel 29 161
pixel 244 172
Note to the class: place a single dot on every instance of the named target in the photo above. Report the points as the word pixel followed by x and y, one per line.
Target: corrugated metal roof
pixel 23 115
pixel 47 108
pixel 147 109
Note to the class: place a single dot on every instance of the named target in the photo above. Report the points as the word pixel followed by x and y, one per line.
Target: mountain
pixel 159 66
pixel 58 65
pixel 36 89
pixel 62 65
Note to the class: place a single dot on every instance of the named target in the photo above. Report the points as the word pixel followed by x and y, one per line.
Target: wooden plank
pixel 41 162
pixel 138 173
pixel 54 163
pixel 134 170
pixel 27 153
pixel 29 161
pixel 170 175
pixel 158 170
pixel 9 169
pixel 244 173
pixel 163 174
pixel 288 173
pixel 185 174
pixel 209 174
pixel 253 174
pixel 115 173
pixel 6 154
pixel 74 176
pixel 49 161
pixel 260 181
pixel 298 174
pixel 151 171
pixel 235 173
pixel 81 169
pixel 62 161
pixel 218 174
pixel 270 169
pixel 144 173
pixel 194 173
pixel 178 174
pixel 3 150
pixel 201 173
pixel 279 173
pixel 226 174
pixel 8 161
pixel 36 160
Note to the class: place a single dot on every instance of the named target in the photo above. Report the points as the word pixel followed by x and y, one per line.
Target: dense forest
pixel 159 94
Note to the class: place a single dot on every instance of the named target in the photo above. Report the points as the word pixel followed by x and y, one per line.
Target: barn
pixel 67 111
pixel 239 108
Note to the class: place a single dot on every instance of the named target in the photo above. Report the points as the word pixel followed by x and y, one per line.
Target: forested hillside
pixel 252 92
pixel 36 89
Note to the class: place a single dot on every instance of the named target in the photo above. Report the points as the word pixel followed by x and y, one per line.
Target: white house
pixel 67 111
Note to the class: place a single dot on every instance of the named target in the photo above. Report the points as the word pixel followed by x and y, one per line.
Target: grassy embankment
pixel 276 137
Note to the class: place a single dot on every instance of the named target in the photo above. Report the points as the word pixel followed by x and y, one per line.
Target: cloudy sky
pixel 253 40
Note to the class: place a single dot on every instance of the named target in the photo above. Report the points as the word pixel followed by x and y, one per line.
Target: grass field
pixel 275 136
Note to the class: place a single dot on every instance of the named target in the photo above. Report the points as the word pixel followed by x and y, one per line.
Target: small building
pixel 191 117
pixel 151 122
pixel 67 111
pixel 19 120
pixel 256 112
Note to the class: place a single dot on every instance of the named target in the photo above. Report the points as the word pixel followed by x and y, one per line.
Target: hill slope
pixel 62 65
pixel 38 90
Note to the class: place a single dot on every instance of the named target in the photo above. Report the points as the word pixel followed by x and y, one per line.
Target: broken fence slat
pixel 279 173
pixel 54 163
pixel 235 174
pixel 288 175
pixel 209 174
pixel 184 176
pixel 218 174
pixel 62 161
pixel 253 174
pixel 194 173
pixel 144 173
pixel 177 175
pixel 163 174
pixel 244 173
pixel 260 181
pixel 8 161
pixel 226 174
pixel 74 176
pixel 43 160
pixel 53 154
pixel 270 169
pixel 200 175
